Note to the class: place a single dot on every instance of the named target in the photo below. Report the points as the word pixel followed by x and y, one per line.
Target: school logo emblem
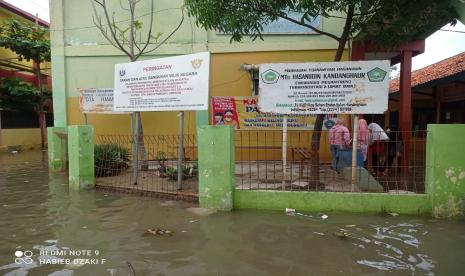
pixel 376 75
pixel 122 73
pixel 196 63
pixel 270 76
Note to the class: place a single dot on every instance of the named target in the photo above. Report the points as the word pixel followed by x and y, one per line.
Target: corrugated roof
pixel 442 69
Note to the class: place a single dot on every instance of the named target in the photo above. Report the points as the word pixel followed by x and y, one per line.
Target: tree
pixel 387 23
pixel 17 95
pixel 134 42
pixel 29 42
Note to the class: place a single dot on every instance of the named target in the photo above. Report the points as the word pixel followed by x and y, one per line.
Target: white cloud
pixel 441 45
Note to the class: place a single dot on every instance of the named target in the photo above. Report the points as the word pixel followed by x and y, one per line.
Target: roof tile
pixel 444 68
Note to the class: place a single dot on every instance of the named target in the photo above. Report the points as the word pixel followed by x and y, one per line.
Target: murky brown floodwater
pixel 39 213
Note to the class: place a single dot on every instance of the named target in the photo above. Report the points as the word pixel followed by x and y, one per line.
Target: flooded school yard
pixel 47 229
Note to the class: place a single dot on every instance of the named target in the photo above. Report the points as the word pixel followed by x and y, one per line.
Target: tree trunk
pixel 318 126
pixel 40 111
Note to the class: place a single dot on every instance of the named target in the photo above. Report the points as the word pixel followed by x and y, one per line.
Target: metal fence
pixel 259 164
pixel 157 170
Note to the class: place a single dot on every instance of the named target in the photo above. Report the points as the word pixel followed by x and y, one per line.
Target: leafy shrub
pixel 188 171
pixel 110 159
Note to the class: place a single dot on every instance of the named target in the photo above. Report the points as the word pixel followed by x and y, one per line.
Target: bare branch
pixel 149 34
pixel 98 2
pixel 110 26
pixel 103 29
pixel 121 5
pixel 171 34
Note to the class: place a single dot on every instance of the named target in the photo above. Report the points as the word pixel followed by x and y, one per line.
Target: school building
pixel 82 58
pixel 21 128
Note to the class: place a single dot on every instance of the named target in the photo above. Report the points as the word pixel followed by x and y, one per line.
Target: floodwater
pixel 48 224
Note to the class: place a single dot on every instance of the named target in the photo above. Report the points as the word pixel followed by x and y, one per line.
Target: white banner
pixel 352 87
pixel 165 84
pixel 96 100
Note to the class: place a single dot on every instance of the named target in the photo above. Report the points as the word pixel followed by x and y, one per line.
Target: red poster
pixel 224 112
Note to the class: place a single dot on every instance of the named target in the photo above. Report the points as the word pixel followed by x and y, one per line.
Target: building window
pixel 283 26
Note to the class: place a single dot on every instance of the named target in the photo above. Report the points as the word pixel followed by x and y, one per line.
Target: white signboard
pixel 96 100
pixel 164 84
pixel 354 87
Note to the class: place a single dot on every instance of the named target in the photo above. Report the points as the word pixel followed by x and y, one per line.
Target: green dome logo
pixel 270 76
pixel 376 75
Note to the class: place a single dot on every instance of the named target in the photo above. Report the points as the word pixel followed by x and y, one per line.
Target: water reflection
pixel 396 247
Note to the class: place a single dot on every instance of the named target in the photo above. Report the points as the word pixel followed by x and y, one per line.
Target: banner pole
pixel 180 148
pixel 135 154
pixel 354 153
pixel 284 151
pixel 85 118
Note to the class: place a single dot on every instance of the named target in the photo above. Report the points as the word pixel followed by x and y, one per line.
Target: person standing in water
pixel 339 138
pixel 364 138
pixel 379 147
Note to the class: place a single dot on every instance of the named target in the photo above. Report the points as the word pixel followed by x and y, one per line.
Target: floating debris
pixel 318 233
pixel 350 225
pixel 158 232
pixel 343 234
pixel 192 221
pixel 323 216
pixel 393 214
pixel 26 181
pixel 292 212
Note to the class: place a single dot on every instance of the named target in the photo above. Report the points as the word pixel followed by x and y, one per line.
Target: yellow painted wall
pixel 25 137
pixel 226 80
pixel 5 53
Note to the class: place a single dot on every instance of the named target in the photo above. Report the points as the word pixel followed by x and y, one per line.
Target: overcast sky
pixel 439 46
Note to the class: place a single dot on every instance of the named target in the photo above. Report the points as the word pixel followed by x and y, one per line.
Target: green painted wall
pixel 82 38
pixel 445 186
pixel 445 177
pixel 216 167
pixel 58 63
pixel 332 201
pixel 81 157
pixel 82 58
pixel 57 148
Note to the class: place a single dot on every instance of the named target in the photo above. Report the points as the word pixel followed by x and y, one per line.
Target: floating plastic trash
pixel 292 212
pixel 289 211
pixel 323 216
